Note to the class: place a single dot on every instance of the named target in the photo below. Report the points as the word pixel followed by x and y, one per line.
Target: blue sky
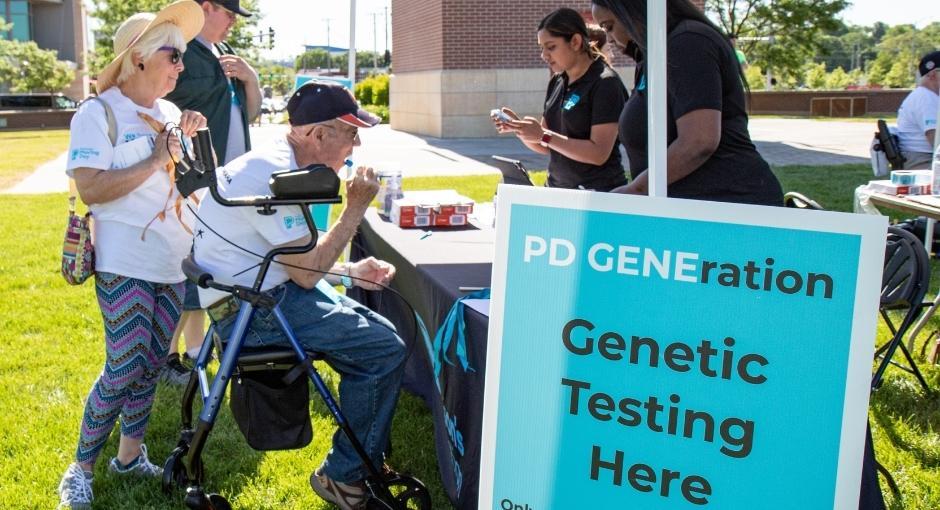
pixel 299 22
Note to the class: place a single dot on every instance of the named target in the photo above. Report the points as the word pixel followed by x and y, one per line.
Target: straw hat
pixel 185 14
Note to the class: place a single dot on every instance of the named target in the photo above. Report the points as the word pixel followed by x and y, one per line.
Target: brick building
pixel 455 60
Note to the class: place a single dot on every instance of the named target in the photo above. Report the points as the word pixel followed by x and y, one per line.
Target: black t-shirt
pixel 571 109
pixel 702 74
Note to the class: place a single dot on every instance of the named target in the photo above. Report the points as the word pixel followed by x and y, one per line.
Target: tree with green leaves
pixel 25 67
pixel 779 35
pixel 113 12
pixel 899 52
pixel 312 59
pixel 279 78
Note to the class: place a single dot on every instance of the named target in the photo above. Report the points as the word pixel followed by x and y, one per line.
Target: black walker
pixel 184 467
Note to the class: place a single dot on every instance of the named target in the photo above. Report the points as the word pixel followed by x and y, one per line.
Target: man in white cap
pixel 917 117
pixel 358 343
pixel 223 87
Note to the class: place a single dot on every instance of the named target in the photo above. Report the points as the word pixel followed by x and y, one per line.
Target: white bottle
pixel 935 178
pixel 393 190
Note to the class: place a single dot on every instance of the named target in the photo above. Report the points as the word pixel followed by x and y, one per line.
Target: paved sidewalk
pixel 49 177
pixel 812 142
pixel 780 141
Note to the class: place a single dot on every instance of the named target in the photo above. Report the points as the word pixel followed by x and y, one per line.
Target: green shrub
pixel 364 91
pixel 380 90
pixel 376 109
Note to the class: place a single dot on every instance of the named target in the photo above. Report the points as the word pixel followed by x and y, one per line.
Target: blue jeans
pixel 359 344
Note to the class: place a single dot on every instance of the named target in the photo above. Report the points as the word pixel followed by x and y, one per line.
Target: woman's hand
pixel 371 270
pixel 637 186
pixel 528 129
pixel 502 126
pixel 190 121
pixel 165 146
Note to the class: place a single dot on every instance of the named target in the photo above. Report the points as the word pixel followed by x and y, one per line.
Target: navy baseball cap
pixel 232 5
pixel 930 62
pixel 320 101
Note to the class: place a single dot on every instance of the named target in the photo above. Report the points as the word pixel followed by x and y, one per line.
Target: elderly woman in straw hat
pixel 119 162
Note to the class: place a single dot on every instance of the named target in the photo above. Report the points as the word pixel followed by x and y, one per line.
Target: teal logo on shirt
pixel 572 100
pixel 84 153
pixel 642 85
pixel 293 221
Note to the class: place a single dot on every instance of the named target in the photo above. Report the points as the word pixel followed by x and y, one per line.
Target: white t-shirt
pixel 121 244
pixel 246 176
pixel 917 115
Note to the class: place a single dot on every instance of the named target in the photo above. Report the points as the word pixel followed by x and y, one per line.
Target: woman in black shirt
pixel 710 154
pixel 578 128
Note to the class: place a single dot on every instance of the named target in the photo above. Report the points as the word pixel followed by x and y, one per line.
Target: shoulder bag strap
pixel 112 136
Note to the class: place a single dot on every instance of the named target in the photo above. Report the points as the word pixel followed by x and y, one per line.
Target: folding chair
pixel 800 201
pixel 904 283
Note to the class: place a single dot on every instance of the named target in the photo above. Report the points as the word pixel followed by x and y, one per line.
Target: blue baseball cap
pixel 320 101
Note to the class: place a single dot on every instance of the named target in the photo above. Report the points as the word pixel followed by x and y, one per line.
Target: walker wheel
pixel 196 499
pixel 174 472
pixel 217 502
pixel 409 493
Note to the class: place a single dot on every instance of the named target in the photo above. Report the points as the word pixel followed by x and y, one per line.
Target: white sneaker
pixel 143 466
pixel 75 489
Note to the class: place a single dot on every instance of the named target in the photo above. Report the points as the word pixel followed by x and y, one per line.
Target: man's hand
pixel 236 67
pixel 371 270
pixel 362 188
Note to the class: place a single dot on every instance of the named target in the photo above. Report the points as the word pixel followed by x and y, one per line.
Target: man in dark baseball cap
pixel 319 101
pixel 361 345
pixel 930 62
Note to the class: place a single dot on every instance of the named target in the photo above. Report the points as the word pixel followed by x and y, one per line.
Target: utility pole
pixel 375 45
pixel 329 60
pixel 352 43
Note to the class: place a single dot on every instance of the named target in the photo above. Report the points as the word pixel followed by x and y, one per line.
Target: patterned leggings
pixel 139 320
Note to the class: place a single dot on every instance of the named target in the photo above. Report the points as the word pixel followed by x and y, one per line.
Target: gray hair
pixel 164 34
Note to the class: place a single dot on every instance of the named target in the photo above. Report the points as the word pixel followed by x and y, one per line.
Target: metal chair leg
pixel 923 321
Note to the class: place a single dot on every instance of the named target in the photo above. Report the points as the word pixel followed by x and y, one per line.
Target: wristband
pixel 546 139
pixel 345 279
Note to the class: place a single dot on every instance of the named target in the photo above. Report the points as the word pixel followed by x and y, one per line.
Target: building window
pixel 17 12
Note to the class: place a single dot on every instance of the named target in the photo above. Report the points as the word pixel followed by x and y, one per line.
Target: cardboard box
pixel 890 188
pixel 439 208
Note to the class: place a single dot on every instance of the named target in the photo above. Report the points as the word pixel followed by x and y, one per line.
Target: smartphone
pixel 500 115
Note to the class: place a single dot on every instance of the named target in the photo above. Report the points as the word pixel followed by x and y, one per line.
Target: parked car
pixel 37 101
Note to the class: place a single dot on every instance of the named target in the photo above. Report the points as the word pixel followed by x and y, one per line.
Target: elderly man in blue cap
pixel 358 343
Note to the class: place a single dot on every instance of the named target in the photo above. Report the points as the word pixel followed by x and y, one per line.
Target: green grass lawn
pixel 22 151
pixel 51 350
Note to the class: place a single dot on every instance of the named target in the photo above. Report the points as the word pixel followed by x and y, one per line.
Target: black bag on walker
pixel 272 408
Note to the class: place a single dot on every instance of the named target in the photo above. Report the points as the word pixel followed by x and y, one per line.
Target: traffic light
pixel 270 37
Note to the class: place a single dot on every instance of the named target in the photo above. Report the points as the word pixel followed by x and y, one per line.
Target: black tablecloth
pixel 430 271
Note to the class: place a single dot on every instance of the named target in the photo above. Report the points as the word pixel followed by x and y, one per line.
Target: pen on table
pixel 470 289
pixel 426 235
